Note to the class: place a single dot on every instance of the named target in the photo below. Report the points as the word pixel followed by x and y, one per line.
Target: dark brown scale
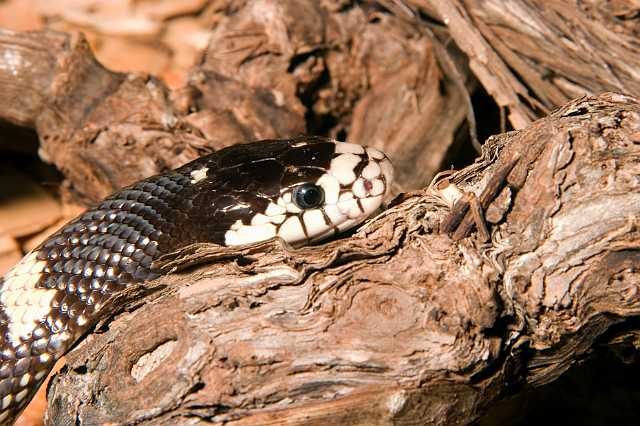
pixel 22 351
pixel 309 155
pixel 87 261
pixel 6 385
pixel 301 174
pixel 22 365
pixel 361 165
pixel 5 371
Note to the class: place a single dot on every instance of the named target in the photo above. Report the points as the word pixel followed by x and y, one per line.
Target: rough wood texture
pixel 336 71
pixel 104 130
pixel 362 73
pixel 397 324
pixel 389 73
pixel 101 129
pixel 534 55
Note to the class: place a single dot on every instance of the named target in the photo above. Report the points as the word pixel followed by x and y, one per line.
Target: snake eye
pixel 308 196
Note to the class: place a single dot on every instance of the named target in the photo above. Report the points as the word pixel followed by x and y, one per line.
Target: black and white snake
pixel 300 190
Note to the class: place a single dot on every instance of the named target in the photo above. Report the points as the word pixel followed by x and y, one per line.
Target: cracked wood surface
pixel 397 323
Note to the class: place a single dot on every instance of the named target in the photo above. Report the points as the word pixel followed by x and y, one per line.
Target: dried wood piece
pixel 227 111
pixel 476 217
pixel 269 69
pixel 485 63
pixel 398 320
pixel 562 49
pixel 468 211
pixel 25 207
pixel 105 130
pixel 533 56
pixel 94 125
pixel 412 113
pixel 362 72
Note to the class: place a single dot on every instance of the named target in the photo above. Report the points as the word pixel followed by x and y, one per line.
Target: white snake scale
pixel 301 190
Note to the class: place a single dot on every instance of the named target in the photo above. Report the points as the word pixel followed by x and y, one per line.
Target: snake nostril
pixel 368 185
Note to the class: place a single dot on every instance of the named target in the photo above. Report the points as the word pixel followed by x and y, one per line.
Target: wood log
pixel 534 55
pixel 397 323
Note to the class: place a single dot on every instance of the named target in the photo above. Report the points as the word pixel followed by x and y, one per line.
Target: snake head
pixel 306 190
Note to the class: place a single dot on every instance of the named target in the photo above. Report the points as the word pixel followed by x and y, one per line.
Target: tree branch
pixel 397 323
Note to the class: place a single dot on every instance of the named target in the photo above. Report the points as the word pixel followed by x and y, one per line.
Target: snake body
pixel 301 190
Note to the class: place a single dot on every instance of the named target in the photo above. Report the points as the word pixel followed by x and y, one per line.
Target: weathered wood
pixel 102 130
pixel 535 55
pixel 359 73
pixel 397 324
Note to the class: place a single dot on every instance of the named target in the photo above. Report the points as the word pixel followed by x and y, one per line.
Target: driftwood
pixel 398 323
pixel 104 130
pixel 534 55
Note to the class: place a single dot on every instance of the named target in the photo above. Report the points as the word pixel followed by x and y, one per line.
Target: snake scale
pixel 301 190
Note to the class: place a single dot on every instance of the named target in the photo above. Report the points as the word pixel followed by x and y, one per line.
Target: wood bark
pixel 399 322
pixel 535 55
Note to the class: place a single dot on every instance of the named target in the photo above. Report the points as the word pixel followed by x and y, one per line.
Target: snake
pixel 301 190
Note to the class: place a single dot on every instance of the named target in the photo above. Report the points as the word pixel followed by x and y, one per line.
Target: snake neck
pixel 54 295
